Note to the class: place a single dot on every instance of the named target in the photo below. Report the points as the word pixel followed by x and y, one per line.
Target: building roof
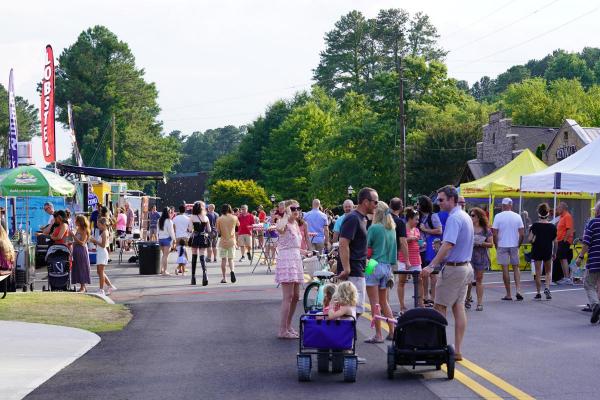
pixel 587 135
pixel 479 168
pixel 530 137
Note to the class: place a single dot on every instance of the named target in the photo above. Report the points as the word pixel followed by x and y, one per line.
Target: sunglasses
pixel 295 209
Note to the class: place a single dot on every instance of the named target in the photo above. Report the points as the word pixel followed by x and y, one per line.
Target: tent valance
pixel 579 172
pixel 109 173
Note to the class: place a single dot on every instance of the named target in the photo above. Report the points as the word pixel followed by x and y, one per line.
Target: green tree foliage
pixel 28 118
pixel 98 75
pixel 201 149
pixel 295 146
pixel 534 102
pixel 357 49
pixel 237 192
pixel 441 142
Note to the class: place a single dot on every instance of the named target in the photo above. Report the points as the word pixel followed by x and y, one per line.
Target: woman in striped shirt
pixel 413 237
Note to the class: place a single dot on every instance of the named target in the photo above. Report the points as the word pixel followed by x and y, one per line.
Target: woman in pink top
pixel 289 272
pixel 413 237
pixel 121 222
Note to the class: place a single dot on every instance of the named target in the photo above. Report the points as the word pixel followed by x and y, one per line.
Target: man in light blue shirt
pixel 457 273
pixel 348 207
pixel 317 227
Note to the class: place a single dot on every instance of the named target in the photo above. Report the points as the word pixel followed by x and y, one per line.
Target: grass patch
pixel 66 309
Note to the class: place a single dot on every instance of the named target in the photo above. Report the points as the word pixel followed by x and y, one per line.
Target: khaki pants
pixel 590 284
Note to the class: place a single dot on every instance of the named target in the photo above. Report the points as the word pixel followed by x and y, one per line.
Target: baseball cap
pixel 506 201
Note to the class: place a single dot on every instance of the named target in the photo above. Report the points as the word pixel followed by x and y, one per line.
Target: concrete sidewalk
pixel 33 353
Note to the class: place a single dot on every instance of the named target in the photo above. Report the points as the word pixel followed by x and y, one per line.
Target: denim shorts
pixel 165 242
pixel 380 276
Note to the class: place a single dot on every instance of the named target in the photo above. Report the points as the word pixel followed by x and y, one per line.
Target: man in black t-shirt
pixel 353 244
pixel 402 244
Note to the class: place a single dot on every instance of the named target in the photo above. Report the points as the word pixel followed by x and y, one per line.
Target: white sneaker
pixel 568 281
pixel 553 283
pixel 101 292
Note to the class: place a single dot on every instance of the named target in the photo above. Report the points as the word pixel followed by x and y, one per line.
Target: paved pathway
pixel 32 353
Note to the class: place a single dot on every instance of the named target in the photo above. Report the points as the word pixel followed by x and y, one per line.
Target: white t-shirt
pixel 181 222
pixel 167 230
pixel 508 223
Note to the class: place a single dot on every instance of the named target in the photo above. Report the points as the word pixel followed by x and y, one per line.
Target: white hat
pixel 506 201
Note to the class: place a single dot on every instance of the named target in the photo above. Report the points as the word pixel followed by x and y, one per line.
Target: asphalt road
pixel 219 342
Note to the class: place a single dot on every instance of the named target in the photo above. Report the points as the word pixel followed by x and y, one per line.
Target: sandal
pixel 389 337
pixel 457 357
pixel 374 340
pixel 479 307
pixel 429 305
pixel 223 281
pixel 288 335
pixel 467 304
pixel 507 298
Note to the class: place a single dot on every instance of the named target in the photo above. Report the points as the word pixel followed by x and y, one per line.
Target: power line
pixel 481 19
pixel 504 27
pixel 585 14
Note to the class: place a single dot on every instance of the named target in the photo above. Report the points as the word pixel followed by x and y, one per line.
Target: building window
pixel 566 136
pixel 493 137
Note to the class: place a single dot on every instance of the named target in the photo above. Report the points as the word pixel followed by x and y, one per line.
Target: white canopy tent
pixel 579 172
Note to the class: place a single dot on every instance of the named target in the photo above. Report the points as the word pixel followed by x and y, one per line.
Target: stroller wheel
pixel 304 366
pixel 391 362
pixel 450 362
pixel 44 288
pixel 337 363
pixel 350 367
pixel 323 361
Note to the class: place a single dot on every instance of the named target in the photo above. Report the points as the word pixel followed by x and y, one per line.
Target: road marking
pixel 501 383
pixel 471 383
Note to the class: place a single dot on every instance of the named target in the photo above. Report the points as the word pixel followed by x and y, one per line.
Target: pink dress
pixel 289 262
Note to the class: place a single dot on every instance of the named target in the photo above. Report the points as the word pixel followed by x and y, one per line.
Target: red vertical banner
pixel 47 108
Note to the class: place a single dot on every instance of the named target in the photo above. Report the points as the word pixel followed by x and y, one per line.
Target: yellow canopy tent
pixel 506 182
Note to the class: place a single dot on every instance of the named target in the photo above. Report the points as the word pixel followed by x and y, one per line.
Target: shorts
pixel 101 256
pixel 120 233
pixel 214 238
pixel 228 252
pixel 507 256
pixel 153 231
pixel 380 276
pixel 166 242
pixel 245 240
pixel 563 251
pixel 452 282
pixel 361 287
pixel 402 267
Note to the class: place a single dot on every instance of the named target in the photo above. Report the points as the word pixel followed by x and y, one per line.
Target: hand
pixel 578 262
pixel 427 271
pixel 343 275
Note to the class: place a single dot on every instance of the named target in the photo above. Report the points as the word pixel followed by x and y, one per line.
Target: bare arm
pixel 336 236
pixel 495 235
pixel 344 251
pixel 439 257
pixel 326 233
pixel 488 242
pixel 521 235
pixel 404 248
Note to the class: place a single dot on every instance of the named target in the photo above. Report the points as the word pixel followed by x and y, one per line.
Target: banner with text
pixel 13 130
pixel 47 109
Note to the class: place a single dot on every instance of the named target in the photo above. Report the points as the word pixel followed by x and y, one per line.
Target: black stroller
pixel 59 268
pixel 420 339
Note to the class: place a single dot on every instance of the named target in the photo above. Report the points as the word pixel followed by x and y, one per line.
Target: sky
pixel 219 63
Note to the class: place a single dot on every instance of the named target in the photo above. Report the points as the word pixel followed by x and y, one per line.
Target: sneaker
pixel 101 292
pixel 568 281
pixel 538 297
pixel 361 360
pixel 232 275
pixel 547 293
pixel 553 283
pixel 242 259
pixel 108 291
pixel 595 313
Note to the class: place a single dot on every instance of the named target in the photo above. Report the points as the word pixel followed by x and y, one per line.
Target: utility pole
pixel 401 123
pixel 113 141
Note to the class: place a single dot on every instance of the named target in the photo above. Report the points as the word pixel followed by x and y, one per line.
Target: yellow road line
pixel 478 388
pixel 471 383
pixel 501 383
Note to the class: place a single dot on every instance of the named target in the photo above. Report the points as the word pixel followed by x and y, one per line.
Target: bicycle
pixel 313 294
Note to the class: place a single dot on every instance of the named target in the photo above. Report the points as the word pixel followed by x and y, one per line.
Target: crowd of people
pixel 442 243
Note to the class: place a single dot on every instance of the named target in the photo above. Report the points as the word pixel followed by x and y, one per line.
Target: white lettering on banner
pixel 47 71
pixel 47 88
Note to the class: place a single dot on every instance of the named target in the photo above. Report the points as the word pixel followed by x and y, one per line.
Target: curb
pixel 102 297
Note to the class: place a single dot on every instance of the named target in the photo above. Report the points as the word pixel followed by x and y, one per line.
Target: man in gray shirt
pixel 457 273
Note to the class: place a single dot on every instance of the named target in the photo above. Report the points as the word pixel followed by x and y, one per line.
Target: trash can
pixel 149 258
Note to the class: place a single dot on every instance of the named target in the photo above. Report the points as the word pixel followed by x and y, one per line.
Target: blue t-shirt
pixel 459 232
pixel 316 221
pixel 591 237
pixel 154 217
pixel 338 224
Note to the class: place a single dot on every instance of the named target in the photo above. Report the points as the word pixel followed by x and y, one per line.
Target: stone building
pixel 503 141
